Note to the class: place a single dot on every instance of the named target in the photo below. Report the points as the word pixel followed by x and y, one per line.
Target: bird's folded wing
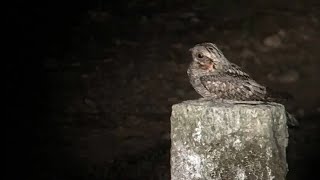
pixel 229 87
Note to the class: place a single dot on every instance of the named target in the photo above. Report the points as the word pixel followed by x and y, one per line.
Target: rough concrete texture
pixel 225 141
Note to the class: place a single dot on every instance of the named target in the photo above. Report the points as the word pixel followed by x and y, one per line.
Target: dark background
pixel 90 84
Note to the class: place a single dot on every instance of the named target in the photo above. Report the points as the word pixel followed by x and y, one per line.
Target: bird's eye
pixel 211 48
pixel 200 55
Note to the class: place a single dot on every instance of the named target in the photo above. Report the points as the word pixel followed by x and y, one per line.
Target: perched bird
pixel 214 77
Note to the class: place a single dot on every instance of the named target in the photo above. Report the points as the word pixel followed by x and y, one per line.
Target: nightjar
pixel 214 77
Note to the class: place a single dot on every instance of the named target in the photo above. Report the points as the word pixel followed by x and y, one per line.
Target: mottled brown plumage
pixel 214 77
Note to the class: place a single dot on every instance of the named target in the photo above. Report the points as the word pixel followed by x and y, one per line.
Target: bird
pixel 214 77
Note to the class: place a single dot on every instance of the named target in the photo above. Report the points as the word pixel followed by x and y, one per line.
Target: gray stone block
pixel 228 140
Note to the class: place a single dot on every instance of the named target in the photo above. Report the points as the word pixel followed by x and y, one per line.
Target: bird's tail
pixel 291 120
pixel 281 97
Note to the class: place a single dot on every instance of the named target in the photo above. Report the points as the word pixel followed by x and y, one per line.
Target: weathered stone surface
pixel 225 141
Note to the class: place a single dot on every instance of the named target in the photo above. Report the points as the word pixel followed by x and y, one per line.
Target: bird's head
pixel 207 56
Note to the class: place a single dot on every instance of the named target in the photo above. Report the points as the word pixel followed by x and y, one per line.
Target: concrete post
pixel 226 141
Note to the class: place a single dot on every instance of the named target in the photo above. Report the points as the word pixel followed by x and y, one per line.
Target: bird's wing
pixel 235 71
pixel 233 84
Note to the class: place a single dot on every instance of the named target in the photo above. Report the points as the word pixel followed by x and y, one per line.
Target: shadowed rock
pixel 230 140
